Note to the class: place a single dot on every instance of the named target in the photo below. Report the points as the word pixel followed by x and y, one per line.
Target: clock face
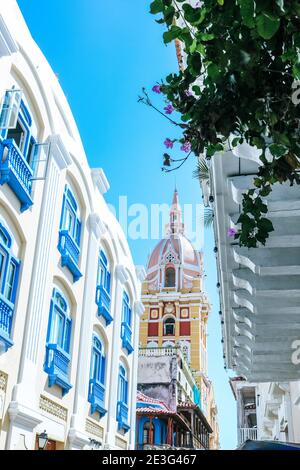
pixel 184 313
pixel 154 313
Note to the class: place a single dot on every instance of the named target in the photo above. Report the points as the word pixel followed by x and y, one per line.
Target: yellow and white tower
pixel 176 307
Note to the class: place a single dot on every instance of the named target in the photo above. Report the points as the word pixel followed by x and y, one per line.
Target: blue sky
pixel 104 52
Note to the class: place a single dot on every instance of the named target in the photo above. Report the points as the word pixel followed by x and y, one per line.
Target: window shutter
pixel 103 365
pixel 78 232
pixel 126 391
pixel 10 109
pixel 108 282
pixel 68 334
pixel 39 160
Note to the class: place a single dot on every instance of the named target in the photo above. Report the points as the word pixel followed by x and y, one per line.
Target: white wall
pixel 35 233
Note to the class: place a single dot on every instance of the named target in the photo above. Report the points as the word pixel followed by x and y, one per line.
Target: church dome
pixel 174 262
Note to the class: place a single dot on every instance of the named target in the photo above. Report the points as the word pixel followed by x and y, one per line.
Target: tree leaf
pixel 267 25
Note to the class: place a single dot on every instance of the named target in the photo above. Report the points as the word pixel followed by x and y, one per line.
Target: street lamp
pixel 42 440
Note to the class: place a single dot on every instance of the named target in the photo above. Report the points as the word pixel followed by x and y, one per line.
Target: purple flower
pixel 168 143
pixel 188 93
pixel 169 109
pixel 156 89
pixel 231 232
pixel 186 147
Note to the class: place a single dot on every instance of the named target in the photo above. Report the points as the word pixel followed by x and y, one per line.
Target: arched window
pixel 169 326
pixel 98 361
pixel 20 154
pixel 70 234
pixel 97 377
pixel 122 406
pixel 58 342
pixel 103 288
pixel 170 277
pixel 9 277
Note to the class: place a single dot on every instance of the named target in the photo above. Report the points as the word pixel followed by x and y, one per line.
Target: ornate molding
pixel 93 428
pixel 140 273
pixel 96 225
pixel 139 308
pixel 78 439
pixel 121 443
pixel 53 408
pixel 100 180
pixel 3 381
pixel 121 274
pixel 59 152
pixel 24 416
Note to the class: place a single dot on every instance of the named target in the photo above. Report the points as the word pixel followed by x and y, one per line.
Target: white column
pixel 77 429
pixel 138 312
pixel 121 277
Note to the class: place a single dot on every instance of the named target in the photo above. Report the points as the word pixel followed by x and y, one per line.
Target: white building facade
pixel 69 291
pixel 267 411
pixel 259 298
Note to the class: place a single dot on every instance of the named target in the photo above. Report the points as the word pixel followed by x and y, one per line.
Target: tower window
pixel 170 277
pixel 169 327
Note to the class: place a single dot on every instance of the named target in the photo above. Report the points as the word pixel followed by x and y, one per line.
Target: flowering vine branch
pixel 241 60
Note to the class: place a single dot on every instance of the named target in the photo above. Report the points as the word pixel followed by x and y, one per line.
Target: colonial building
pixel 267 411
pixel 69 292
pixel 176 314
pixel 165 379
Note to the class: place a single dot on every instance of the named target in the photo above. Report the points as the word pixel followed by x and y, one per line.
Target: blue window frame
pixel 126 332
pixel 9 278
pixel 59 332
pixel 103 288
pixel 16 147
pixel 97 377
pixel 122 405
pixel 70 234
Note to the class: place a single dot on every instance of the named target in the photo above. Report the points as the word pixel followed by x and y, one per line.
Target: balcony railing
pixel 245 434
pixel 57 367
pixel 103 302
pixel 97 397
pixel 6 314
pixel 126 336
pixel 15 171
pixel 122 416
pixel 70 252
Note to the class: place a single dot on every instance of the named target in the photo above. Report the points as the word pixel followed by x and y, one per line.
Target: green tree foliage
pixel 242 61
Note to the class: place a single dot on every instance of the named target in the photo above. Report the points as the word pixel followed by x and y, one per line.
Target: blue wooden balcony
pixel 122 416
pixel 103 302
pixel 70 252
pixel 6 315
pixel 97 397
pixel 126 336
pixel 15 171
pixel 57 367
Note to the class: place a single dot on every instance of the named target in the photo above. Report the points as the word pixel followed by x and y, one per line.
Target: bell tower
pixel 176 307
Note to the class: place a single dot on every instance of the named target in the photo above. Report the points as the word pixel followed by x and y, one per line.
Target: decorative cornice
pixel 96 225
pixel 7 44
pixel 139 308
pixel 23 415
pixel 140 273
pixel 59 151
pixel 100 180
pixel 78 438
pixel 121 274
